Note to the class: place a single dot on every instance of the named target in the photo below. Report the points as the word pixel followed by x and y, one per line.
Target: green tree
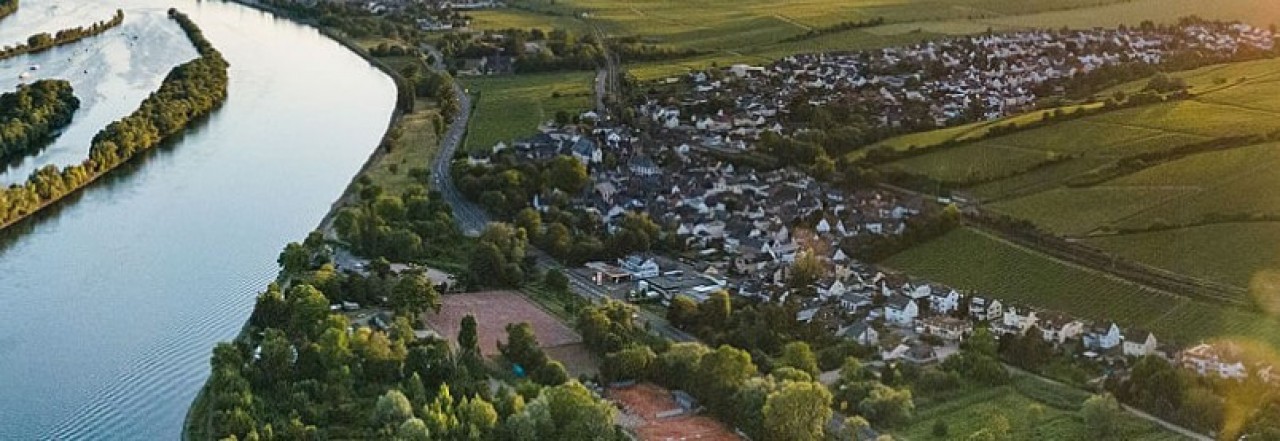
pixel 722 372
pixel 567 174
pixel 413 429
pixel 550 374
pixel 683 312
pixel 557 281
pixel 414 295
pixel 569 412
pixel 1101 413
pixel 522 347
pixel 294 259
pixel 716 310
pixel 308 309
pixel 477 418
pixel 798 355
pixel 798 411
pixel 392 409
pixel 632 362
pixel 887 406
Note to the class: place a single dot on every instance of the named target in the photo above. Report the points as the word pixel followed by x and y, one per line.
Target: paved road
pixel 470 218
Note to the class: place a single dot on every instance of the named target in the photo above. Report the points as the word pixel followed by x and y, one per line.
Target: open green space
pixel 978 262
pixel 1033 408
pixel 507 108
pixel 974 162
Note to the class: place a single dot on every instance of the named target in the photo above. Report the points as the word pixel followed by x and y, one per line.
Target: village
pixel 745 230
pixel 929 85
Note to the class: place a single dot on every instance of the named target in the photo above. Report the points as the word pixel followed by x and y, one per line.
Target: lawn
pixel 1034 409
pixel 511 107
pixel 977 262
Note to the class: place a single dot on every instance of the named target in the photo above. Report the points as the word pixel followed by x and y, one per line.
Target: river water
pixel 113 301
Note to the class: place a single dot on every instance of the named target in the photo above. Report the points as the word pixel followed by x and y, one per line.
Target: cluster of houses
pixel 936 83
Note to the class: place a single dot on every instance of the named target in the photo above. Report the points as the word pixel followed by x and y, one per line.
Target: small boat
pixel 35 67
pixel 24 76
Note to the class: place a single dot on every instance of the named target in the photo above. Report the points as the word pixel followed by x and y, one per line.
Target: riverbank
pixel 405 113
pixel 44 41
pixel 189 93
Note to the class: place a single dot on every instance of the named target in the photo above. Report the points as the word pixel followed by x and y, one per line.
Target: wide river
pixel 112 303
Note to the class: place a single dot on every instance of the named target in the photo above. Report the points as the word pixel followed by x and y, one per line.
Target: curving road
pixel 470 218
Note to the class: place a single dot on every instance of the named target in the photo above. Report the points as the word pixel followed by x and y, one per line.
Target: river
pixel 113 301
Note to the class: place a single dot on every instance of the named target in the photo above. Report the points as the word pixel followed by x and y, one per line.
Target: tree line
pixel 43 41
pixel 301 372
pixel 8 7
pixel 189 92
pixel 30 115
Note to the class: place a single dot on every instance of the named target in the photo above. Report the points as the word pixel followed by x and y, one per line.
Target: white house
pixel 1058 328
pixel 901 310
pixel 835 288
pixel 1013 322
pixel 1220 360
pixel 1143 344
pixel 861 333
pixel 1104 338
pixel 639 267
pixel 944 303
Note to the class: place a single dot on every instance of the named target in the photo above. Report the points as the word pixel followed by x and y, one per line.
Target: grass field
pixel 1060 420
pixel 511 107
pixel 975 261
pixel 974 161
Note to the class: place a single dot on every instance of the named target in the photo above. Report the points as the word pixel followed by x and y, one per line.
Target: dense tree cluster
pixel 299 371
pixel 411 226
pixel 557 49
pixel 190 91
pixel 30 115
pixel 507 187
pixel 303 373
pixel 8 7
pixel 836 28
pixel 44 41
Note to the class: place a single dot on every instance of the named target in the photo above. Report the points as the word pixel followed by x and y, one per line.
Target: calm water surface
pixel 112 302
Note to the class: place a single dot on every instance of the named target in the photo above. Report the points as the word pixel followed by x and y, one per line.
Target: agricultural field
pixel 511 107
pixel 978 262
pixel 974 161
pixel 1033 408
pixel 1230 253
pixel 508 18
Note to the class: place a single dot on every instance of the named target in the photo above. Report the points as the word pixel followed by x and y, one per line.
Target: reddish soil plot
pixel 493 311
pixel 641 405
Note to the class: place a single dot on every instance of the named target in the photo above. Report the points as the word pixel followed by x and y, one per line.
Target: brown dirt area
pixel 641 404
pixel 493 311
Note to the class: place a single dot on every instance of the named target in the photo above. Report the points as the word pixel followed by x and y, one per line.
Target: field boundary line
pixel 1029 250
